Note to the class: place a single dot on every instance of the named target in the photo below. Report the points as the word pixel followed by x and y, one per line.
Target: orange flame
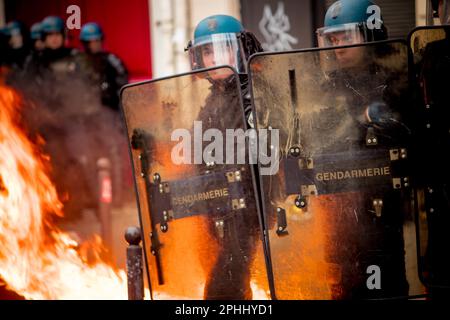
pixel 37 260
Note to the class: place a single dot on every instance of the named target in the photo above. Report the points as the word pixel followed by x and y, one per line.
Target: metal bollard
pixel 105 201
pixel 117 173
pixel 135 274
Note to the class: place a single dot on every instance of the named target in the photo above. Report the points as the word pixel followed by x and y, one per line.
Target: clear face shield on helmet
pixel 224 49
pixel 438 12
pixel 341 35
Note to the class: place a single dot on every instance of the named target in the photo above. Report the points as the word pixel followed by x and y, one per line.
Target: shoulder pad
pixel 114 60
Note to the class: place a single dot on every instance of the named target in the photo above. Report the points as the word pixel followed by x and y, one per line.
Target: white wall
pixel 172 25
pixel 421 9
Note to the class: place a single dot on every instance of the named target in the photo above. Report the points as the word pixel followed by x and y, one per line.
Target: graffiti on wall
pixel 275 28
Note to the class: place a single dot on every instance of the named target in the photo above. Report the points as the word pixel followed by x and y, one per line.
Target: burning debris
pixel 37 260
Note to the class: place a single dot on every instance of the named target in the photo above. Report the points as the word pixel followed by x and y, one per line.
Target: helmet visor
pixel 217 50
pixel 340 35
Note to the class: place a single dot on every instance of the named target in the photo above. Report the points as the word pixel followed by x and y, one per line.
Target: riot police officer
pixel 19 44
pixel 56 59
pixel 346 23
pixel 222 40
pixel 106 70
pixel 226 44
pixel 32 60
pixel 68 116
pixel 36 37
pixel 368 101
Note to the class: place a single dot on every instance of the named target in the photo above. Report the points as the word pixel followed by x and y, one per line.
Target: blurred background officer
pixel 222 40
pixel 18 44
pixel 105 69
pixel 36 37
pixel 56 58
pixel 68 117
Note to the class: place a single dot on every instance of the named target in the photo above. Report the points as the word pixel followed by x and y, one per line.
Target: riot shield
pixel 198 212
pixel 430 47
pixel 339 210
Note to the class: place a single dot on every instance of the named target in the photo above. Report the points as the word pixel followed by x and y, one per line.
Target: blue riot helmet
pixel 91 31
pixel 17 34
pixel 53 32
pixel 36 31
pixel 37 36
pixel 350 22
pixel 13 28
pixel 221 40
pixel 52 24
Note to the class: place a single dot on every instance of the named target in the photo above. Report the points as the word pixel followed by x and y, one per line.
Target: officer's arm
pixel 121 73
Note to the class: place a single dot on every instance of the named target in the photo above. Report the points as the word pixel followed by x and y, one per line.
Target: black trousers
pixel 231 274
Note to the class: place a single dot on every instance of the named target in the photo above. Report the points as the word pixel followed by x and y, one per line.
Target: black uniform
pixel 230 276
pixel 359 242
pixel 109 75
pixel 3 48
pixel 433 136
pixel 52 62
pixel 15 58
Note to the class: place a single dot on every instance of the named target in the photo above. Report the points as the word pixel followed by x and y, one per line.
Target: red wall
pixel 126 25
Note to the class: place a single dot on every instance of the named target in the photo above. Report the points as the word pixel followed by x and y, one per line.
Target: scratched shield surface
pixel 430 47
pixel 339 211
pixel 200 223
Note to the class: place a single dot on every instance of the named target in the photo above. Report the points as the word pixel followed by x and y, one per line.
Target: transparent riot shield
pixel 430 69
pixel 340 209
pixel 198 209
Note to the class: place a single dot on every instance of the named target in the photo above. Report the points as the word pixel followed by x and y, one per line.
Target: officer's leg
pixel 230 276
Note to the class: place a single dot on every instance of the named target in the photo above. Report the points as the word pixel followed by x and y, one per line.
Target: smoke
pixel 63 110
